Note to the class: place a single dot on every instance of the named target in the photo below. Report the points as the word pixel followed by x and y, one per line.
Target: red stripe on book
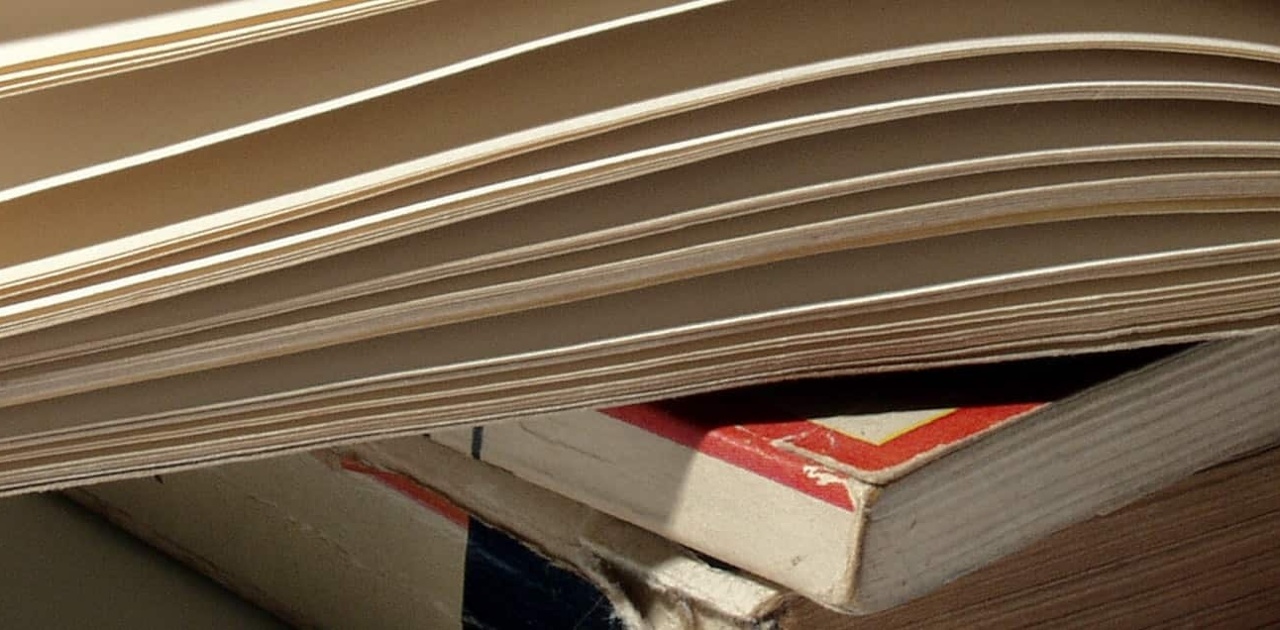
pixel 780 450
pixel 742 448
pixel 405 485
pixel 946 429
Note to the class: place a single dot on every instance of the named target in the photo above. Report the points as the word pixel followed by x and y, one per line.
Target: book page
pixel 565 113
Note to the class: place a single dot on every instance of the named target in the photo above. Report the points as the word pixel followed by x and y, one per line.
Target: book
pixel 864 494
pixel 295 224
pixel 1198 552
pixel 336 539
pixel 296 69
pixel 72 569
pixel 58 43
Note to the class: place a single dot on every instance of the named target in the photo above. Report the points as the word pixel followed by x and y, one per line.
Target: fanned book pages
pixel 229 229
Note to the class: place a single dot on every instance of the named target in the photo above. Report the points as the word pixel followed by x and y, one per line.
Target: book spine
pixel 377 551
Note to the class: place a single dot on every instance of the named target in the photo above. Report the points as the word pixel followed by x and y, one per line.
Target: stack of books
pixel 850 502
pixel 848 298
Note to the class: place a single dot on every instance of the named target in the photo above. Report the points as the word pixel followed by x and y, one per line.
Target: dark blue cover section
pixel 507 585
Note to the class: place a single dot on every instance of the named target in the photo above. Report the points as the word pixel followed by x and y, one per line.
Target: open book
pixel 232 229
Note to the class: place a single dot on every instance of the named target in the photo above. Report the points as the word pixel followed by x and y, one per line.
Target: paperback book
pixel 231 229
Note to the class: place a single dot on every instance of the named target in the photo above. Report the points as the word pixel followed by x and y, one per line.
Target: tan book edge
pixel 826 37
pixel 713 130
pixel 724 245
pixel 148 114
pixel 426 264
pixel 702 314
pixel 118 45
pixel 1228 132
pixel 1200 553
pixel 73 459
